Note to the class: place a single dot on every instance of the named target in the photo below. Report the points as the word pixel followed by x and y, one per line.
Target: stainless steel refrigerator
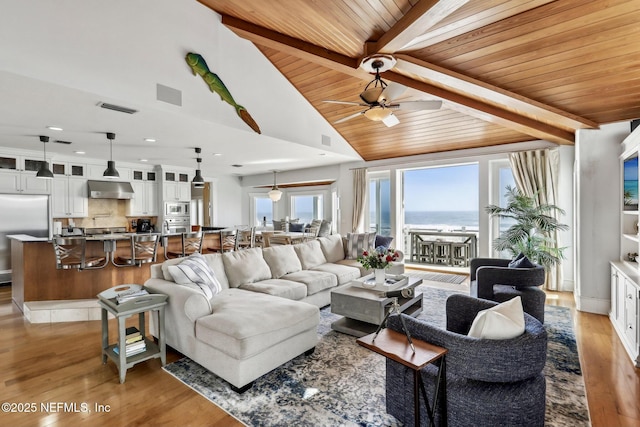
pixel 21 214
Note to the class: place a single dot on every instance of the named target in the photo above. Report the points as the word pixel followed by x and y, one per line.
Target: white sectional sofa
pixel 266 313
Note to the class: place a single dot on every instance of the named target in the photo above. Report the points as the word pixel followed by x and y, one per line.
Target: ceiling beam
pixel 418 20
pixel 295 47
pixel 494 94
pixel 344 64
pixel 487 112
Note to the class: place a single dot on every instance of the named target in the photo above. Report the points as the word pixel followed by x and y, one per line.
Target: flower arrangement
pixel 378 258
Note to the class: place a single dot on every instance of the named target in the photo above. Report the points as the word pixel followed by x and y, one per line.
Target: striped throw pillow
pixel 357 243
pixel 194 269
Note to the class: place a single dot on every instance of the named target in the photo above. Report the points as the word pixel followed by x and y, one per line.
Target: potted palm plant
pixel 533 229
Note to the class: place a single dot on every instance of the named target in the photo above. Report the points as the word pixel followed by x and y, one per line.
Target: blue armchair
pixel 493 279
pixel 489 382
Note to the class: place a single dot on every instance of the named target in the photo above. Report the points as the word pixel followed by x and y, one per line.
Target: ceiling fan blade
pixel 344 119
pixel 391 120
pixel 417 105
pixel 391 92
pixel 345 103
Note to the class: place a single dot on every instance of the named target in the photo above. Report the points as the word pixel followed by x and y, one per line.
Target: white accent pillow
pixel 194 269
pixel 504 321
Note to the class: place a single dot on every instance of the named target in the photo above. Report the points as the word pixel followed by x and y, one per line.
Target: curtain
pixel 359 198
pixel 536 174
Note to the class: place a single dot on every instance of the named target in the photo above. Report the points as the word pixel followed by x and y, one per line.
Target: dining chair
pixel 142 249
pixel 246 239
pixel 70 252
pixel 227 240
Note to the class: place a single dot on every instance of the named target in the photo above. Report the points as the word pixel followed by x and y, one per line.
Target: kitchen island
pixel 37 283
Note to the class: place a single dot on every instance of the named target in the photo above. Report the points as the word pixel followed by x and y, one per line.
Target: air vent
pixel 57 141
pixel 117 108
pixel 236 166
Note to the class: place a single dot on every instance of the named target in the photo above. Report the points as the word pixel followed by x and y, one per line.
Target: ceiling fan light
pixel 275 194
pixel 371 96
pixel 377 114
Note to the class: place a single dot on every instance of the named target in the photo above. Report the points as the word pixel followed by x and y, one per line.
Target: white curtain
pixel 536 174
pixel 359 198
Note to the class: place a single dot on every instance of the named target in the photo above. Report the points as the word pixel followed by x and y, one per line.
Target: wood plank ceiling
pixel 506 71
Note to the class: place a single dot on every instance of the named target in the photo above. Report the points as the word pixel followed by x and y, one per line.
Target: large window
pixel 306 207
pixel 442 198
pixel 380 204
pixel 262 207
pixel 499 225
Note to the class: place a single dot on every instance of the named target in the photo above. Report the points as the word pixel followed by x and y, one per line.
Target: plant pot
pixel 380 275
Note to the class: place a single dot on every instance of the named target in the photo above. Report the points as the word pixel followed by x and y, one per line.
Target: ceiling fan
pixel 378 95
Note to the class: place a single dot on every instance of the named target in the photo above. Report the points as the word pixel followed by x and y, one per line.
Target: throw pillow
pixel 521 261
pixel 296 227
pixel 357 243
pixel 325 228
pixel 384 241
pixel 194 269
pixel 504 321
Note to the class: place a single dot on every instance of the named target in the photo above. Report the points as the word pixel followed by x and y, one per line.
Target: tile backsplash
pixel 105 213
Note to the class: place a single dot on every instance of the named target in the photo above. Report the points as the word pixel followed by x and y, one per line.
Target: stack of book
pixel 134 342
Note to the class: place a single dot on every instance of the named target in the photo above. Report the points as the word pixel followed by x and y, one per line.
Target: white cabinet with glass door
pixel 69 195
pixel 176 187
pixel 18 175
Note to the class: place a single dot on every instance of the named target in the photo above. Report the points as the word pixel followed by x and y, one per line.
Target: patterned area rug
pixel 343 384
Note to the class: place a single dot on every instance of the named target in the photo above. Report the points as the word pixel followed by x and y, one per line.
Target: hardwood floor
pixel 52 364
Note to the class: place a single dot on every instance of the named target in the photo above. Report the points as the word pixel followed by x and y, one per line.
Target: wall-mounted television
pixel 630 174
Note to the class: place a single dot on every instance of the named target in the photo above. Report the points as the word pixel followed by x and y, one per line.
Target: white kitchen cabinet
pixel 69 198
pixel 18 175
pixel 177 191
pixel 96 172
pixel 145 199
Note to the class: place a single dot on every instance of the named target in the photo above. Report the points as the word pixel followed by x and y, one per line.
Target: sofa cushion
pixel 343 273
pixel 504 321
pixel 332 247
pixel 354 263
pixel 194 269
pixel 279 288
pixel 315 281
pixel 359 242
pixel 310 254
pixel 245 323
pixel 245 266
pixel 296 227
pixel 281 259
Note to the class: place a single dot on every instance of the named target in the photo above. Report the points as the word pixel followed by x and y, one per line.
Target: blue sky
pixel 451 188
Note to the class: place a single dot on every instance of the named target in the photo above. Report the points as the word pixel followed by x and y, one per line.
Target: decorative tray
pixel 392 282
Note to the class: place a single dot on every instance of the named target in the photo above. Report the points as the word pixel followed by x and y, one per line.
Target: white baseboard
pixel 593 305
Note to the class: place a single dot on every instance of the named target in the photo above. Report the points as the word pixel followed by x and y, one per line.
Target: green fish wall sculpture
pixel 199 66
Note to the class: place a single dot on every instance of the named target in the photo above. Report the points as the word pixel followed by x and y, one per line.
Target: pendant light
pixel 275 193
pixel 44 171
pixel 198 180
pixel 111 172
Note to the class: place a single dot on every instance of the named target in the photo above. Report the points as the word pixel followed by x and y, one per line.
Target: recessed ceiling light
pixel 323 154
pixel 80 152
pixel 217 154
pixel 143 160
pixel 149 140
pixel 54 128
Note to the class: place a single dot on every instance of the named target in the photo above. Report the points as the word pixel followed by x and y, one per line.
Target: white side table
pixel 140 305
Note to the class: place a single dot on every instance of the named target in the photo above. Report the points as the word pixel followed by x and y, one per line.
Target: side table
pixel 121 311
pixel 394 346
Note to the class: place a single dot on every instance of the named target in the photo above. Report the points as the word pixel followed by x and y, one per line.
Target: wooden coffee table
pixel 363 309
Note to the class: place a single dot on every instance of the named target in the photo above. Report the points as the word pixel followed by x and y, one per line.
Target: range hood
pixel 110 190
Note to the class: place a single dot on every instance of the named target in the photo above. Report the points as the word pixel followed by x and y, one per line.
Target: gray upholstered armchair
pixel 489 382
pixel 493 279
